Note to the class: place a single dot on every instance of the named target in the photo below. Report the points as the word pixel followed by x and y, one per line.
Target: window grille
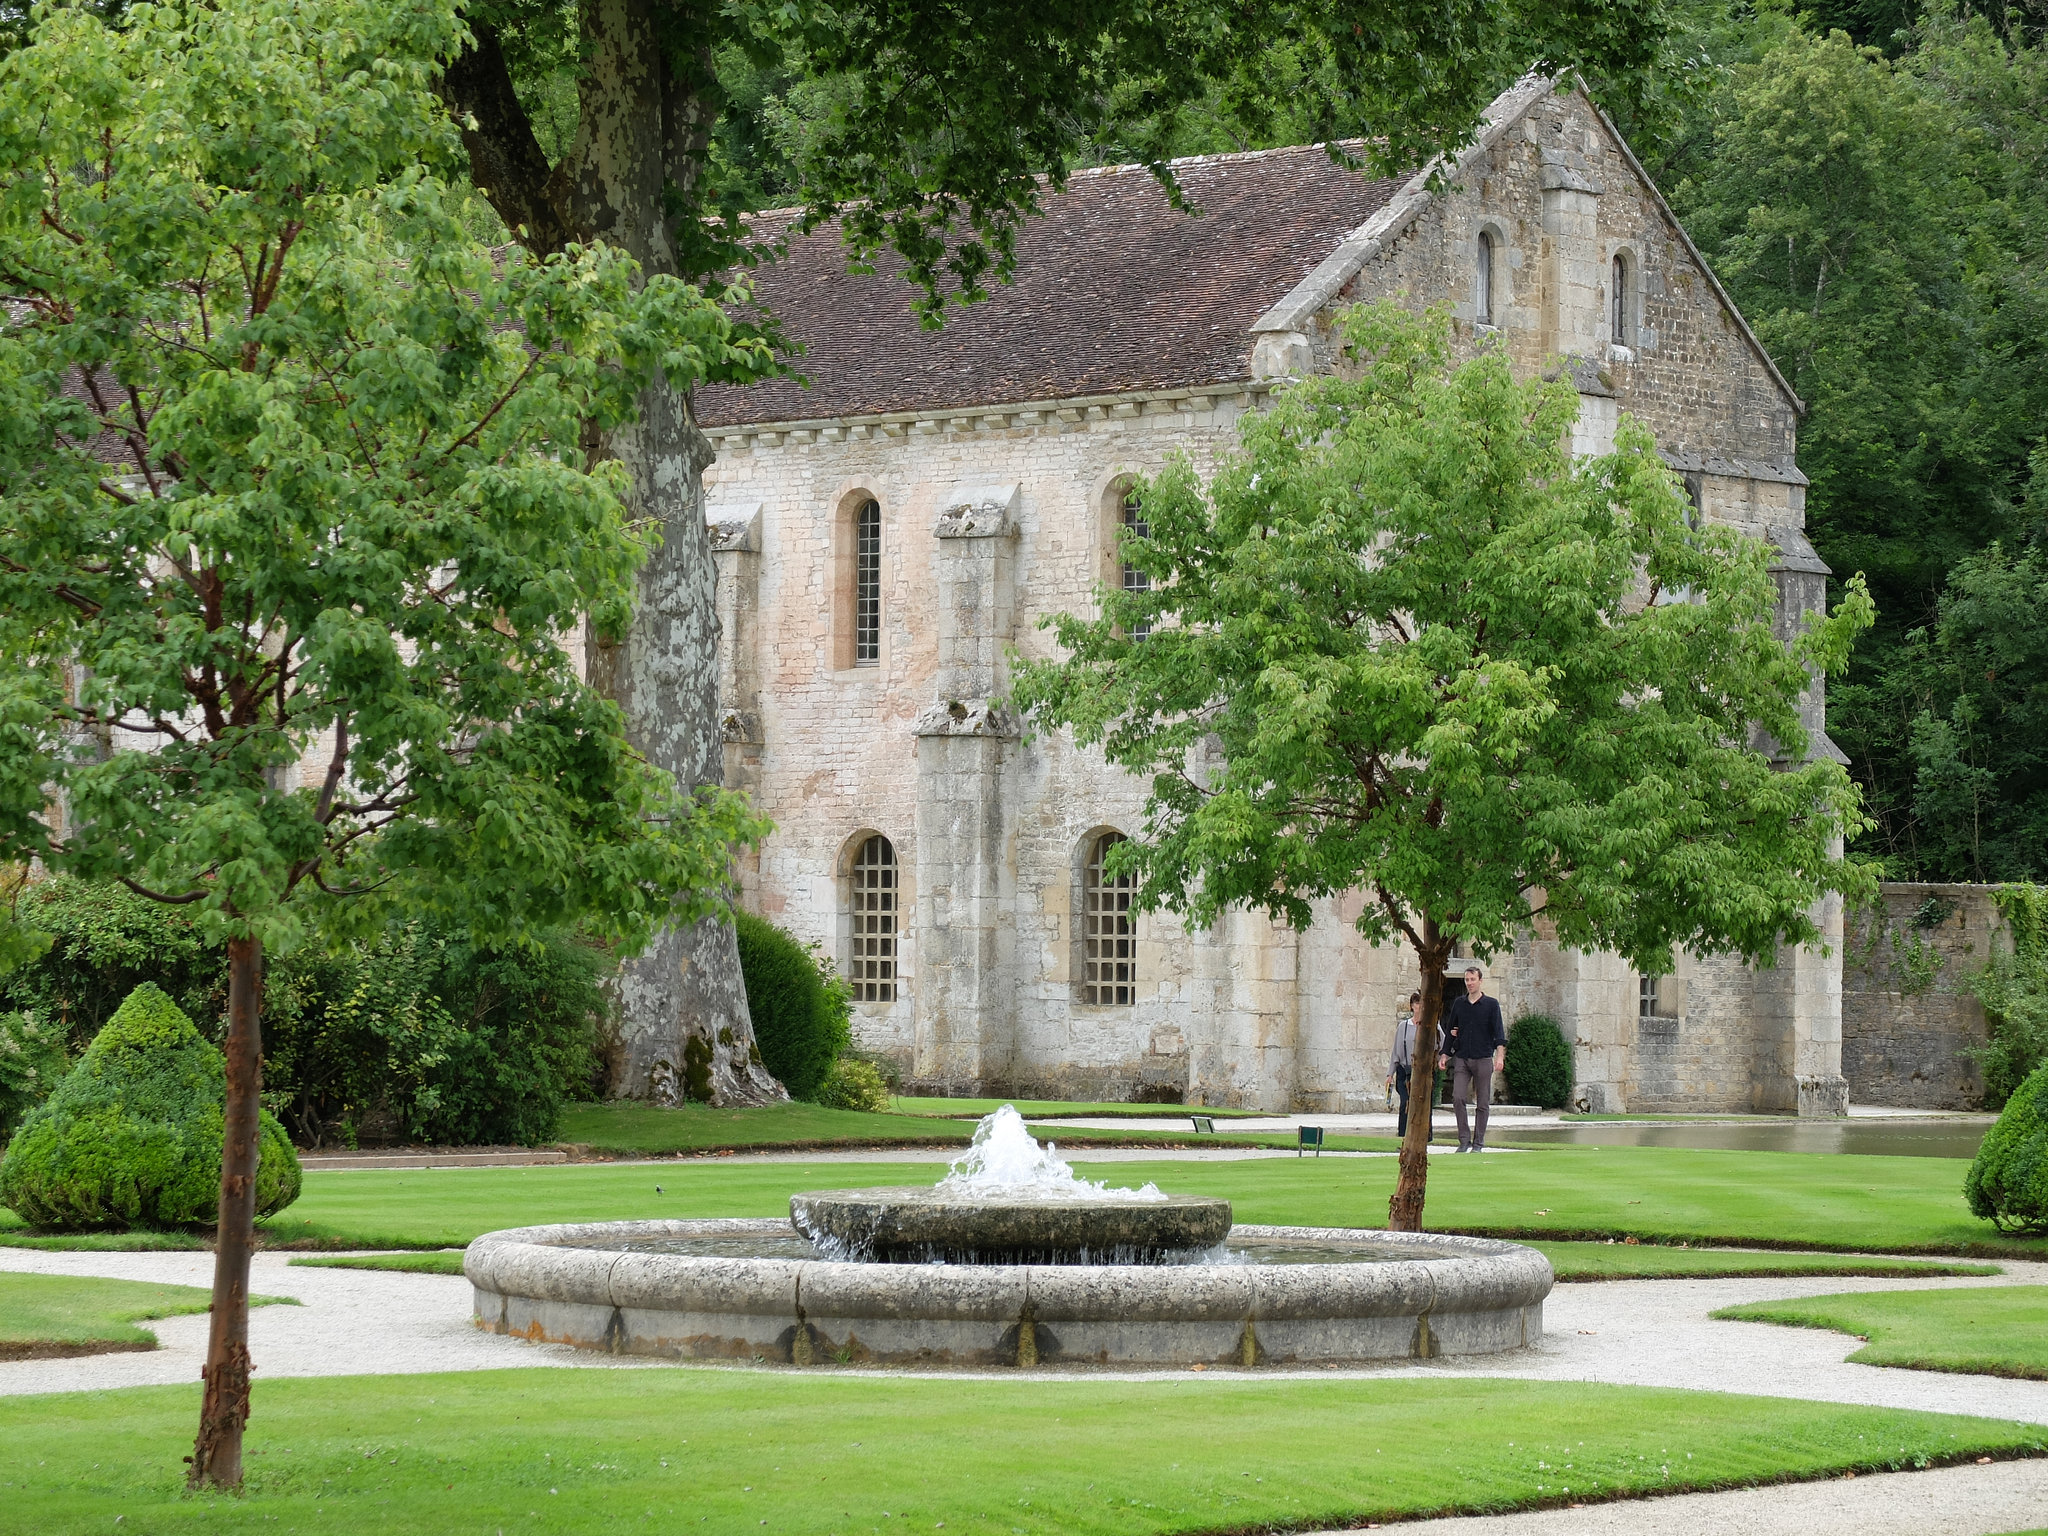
pixel 867 585
pixel 1133 579
pixel 1619 321
pixel 874 921
pixel 1109 960
pixel 1482 306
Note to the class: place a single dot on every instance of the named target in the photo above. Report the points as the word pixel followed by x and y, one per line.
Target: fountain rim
pixel 545 1263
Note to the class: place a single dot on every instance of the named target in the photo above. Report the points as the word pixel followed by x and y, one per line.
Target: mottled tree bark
pixel 217 1453
pixel 642 134
pixel 1404 1207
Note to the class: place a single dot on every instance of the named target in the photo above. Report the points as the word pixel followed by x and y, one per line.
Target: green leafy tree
pixel 1404 645
pixel 299 514
pixel 931 130
pixel 1881 223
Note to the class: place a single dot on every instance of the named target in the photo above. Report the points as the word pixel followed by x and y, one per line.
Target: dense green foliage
pixel 1485 709
pixel 370 522
pixel 132 1137
pixel 855 1084
pixel 412 1034
pixel 32 1063
pixel 1539 1062
pixel 800 1007
pixel 2008 1180
pixel 1881 222
pixel 2013 986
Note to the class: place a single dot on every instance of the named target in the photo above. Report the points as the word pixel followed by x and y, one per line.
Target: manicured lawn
pixel 51 1314
pixel 583 1451
pixel 439 1262
pixel 1746 1199
pixel 648 1131
pixel 1991 1332
pixel 1659 1261
pixel 1036 1109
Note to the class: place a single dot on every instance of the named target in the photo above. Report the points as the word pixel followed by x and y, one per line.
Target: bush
pixel 417 1035
pixel 132 1137
pixel 32 1063
pixel 855 1084
pixel 423 1037
pixel 1539 1062
pixel 2013 987
pixel 800 1006
pixel 2008 1181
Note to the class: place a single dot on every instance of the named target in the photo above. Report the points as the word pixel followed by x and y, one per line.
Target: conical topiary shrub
pixel 132 1137
pixel 2008 1181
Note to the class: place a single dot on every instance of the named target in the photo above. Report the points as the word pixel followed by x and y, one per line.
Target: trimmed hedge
pixel 855 1084
pixel 800 1006
pixel 2008 1179
pixel 32 1064
pixel 1539 1062
pixel 132 1137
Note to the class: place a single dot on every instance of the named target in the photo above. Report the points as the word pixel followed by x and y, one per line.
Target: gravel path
pixel 1955 1501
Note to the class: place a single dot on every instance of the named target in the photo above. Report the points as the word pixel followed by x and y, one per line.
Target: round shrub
pixel 1539 1062
pixel 2008 1180
pixel 799 1004
pixel 855 1084
pixel 132 1136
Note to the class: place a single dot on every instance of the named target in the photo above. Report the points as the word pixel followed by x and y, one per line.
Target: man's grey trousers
pixel 1469 1076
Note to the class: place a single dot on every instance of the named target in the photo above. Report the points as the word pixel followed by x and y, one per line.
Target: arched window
pixel 1129 576
pixel 867 585
pixel 1482 293
pixel 874 921
pixel 1619 327
pixel 1109 945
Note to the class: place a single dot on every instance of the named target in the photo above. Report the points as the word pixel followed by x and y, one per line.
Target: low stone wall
pixel 1908 1021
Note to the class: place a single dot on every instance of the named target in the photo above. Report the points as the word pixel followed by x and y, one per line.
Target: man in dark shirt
pixel 1475 1045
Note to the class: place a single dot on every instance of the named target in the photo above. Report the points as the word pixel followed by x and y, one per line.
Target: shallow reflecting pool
pixel 1872 1138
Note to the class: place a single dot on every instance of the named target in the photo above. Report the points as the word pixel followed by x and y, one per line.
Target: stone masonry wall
pixel 1908 1022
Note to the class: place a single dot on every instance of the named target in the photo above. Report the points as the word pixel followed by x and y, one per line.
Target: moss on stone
pixel 132 1137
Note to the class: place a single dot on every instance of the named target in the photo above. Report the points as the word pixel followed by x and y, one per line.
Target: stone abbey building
pixel 889 531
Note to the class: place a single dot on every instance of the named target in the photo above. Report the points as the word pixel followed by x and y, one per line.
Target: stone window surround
pixel 1082 858
pixel 844 594
pixel 1638 338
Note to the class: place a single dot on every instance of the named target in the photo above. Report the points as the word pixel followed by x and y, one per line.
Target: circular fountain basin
pixel 910 1226
pixel 752 1290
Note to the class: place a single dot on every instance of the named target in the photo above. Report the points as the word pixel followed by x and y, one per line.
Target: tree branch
pixel 505 159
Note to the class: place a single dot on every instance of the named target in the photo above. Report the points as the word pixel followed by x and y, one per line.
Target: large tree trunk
pixel 1404 1208
pixel 642 134
pixel 641 137
pixel 217 1453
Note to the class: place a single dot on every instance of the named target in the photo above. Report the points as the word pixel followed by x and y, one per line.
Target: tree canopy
pixel 1402 644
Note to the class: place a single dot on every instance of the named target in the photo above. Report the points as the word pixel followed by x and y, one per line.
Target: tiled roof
pixel 1115 290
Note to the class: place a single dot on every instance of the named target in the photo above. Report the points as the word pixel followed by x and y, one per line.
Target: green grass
pixel 1665 1194
pixel 439 1262
pixel 51 1314
pixel 646 1130
pixel 2000 1331
pixel 1038 1109
pixel 1659 1261
pixel 823 1455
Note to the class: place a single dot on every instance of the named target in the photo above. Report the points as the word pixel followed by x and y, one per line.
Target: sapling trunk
pixel 217 1453
pixel 1404 1208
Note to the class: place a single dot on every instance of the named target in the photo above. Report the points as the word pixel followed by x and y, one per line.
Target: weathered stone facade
pixel 1909 1021
pixel 998 509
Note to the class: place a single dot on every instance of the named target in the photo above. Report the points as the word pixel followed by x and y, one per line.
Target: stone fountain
pixel 1010 1260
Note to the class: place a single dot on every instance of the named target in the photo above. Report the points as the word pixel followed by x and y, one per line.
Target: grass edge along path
pixel 44 1317
pixel 562 1453
pixel 1975 1331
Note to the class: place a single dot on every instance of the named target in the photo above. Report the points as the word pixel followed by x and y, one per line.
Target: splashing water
pixel 1005 1159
